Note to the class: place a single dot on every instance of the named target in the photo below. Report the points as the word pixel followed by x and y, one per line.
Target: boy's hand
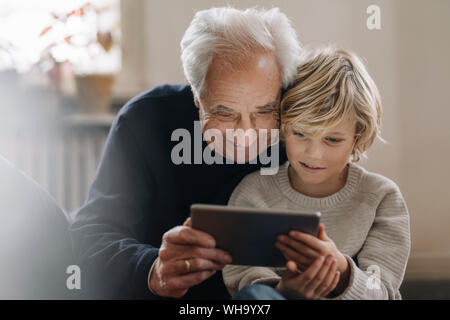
pixel 317 281
pixel 304 249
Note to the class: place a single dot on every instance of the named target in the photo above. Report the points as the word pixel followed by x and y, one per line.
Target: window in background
pixel 57 59
pixel 82 35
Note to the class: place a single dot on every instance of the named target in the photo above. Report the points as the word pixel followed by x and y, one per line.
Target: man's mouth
pixel 310 166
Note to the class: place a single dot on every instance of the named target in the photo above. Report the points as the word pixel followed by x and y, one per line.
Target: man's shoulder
pixel 161 107
pixel 167 96
pixel 165 91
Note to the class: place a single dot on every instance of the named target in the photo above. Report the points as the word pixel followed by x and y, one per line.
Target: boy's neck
pixel 325 189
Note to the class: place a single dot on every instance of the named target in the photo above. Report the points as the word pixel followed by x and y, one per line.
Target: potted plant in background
pixel 84 51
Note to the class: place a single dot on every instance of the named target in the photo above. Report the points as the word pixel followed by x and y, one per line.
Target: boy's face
pixel 329 152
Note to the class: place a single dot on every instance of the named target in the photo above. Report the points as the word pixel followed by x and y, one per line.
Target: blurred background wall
pixel 408 58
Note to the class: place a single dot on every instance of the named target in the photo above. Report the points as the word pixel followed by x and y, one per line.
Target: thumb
pixel 291 268
pixel 187 223
pixel 322 234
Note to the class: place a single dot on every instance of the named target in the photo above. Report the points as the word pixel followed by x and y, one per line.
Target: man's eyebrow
pixel 268 106
pixel 220 108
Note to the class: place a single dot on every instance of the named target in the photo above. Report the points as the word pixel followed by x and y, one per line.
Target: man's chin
pixel 241 155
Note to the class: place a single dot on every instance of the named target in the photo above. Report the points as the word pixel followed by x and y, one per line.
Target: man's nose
pixel 246 132
pixel 246 123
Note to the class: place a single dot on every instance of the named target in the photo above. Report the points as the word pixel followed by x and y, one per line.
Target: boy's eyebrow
pixel 337 133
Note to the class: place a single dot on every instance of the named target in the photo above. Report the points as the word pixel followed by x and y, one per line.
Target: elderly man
pixel 129 235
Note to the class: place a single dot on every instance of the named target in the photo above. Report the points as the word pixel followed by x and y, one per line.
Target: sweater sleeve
pixel 237 277
pixel 114 259
pixel 379 267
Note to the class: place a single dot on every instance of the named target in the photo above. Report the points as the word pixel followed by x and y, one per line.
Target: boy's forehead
pixel 344 127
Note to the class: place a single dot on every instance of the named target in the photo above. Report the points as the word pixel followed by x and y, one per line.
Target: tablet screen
pixel 249 234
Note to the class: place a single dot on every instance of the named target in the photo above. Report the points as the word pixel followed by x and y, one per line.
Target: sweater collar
pixel 353 179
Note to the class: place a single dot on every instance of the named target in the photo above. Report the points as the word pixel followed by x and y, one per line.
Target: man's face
pixel 245 97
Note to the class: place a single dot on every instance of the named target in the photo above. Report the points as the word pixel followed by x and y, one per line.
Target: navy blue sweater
pixel 138 194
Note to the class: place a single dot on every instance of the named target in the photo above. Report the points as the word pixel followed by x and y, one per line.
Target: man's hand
pixel 304 249
pixel 317 281
pixel 172 276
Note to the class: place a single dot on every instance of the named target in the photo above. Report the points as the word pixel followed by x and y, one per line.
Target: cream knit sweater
pixel 367 219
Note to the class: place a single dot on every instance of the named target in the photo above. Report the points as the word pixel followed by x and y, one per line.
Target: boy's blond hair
pixel 331 86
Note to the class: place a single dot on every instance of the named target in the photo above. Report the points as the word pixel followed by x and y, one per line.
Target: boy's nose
pixel 314 150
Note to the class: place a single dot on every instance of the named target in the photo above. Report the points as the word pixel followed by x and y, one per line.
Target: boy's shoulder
pixel 257 186
pixel 372 182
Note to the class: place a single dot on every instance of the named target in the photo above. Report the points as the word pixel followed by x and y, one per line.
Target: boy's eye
pixel 332 140
pixel 299 134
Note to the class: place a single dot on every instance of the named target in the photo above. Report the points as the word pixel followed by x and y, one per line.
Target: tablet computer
pixel 249 234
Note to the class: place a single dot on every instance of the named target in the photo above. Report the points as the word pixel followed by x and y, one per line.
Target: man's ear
pixel 197 103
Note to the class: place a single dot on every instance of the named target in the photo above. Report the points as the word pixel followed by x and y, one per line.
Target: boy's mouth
pixel 310 167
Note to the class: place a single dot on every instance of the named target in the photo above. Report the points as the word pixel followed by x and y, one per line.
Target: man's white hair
pixel 231 34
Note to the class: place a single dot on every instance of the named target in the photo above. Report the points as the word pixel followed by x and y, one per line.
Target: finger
pixel 189 280
pixel 298 246
pixel 291 254
pixel 181 252
pixel 326 283
pixel 187 236
pixel 195 265
pixel 217 255
pixel 333 284
pixel 291 270
pixel 188 222
pixel 300 266
pixel 316 283
pixel 312 271
pixel 307 239
pixel 291 266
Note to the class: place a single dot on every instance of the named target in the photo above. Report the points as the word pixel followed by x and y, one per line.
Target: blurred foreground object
pixel 34 242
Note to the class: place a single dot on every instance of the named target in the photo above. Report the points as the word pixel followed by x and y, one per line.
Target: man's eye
pixel 265 112
pixel 299 134
pixel 223 114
